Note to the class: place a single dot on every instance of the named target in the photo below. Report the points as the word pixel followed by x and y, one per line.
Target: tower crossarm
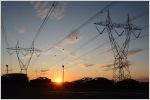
pixel 119 25
pixel 121 67
pixel 24 49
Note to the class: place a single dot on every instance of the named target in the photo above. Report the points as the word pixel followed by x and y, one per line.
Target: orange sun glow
pixel 58 80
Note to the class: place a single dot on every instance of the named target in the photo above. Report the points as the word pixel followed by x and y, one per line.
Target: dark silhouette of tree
pixel 127 83
pixel 40 82
pixel 101 82
pixel 16 86
pixel 92 83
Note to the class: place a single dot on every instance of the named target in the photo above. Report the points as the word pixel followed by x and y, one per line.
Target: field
pixel 36 93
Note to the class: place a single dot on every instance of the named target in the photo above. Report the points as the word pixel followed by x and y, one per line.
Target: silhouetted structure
pixel 93 83
pixel 17 86
pixel 121 66
pixel 28 51
pixel 127 83
pixel 14 80
pixel 101 82
pixel 6 69
pixel 63 74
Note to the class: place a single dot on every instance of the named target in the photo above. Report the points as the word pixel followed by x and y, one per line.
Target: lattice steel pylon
pixel 121 66
pixel 29 51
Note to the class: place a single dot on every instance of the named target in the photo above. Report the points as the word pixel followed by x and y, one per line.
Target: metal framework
pixel 19 52
pixel 28 51
pixel 121 66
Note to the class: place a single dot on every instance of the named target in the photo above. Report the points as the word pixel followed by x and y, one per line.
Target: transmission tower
pixel 28 52
pixel 121 66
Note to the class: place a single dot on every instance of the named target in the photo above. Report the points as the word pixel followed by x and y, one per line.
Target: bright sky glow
pixel 58 80
pixel 22 19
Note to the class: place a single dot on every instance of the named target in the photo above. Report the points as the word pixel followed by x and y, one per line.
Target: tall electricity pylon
pixel 121 66
pixel 29 53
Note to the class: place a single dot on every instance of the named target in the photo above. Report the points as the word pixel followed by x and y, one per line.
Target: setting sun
pixel 89 49
pixel 58 80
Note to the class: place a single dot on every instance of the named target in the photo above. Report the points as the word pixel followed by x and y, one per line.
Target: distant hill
pixel 40 82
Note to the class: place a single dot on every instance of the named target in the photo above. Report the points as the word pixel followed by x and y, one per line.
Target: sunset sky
pixel 22 20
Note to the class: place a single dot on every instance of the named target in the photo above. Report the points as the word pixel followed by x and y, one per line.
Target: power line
pixel 4 32
pixel 104 44
pixel 134 18
pixel 85 23
pixel 81 26
pixel 145 26
pixel 103 52
pixel 121 67
pixel 140 15
pixel 45 20
pixel 6 40
pixel 32 50
pixel 83 45
pixel 143 36
pixel 91 51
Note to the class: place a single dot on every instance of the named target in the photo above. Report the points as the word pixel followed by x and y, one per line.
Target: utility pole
pixel 121 67
pixel 6 69
pixel 63 74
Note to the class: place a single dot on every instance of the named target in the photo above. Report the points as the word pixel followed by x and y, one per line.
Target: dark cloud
pixel 44 70
pixel 109 65
pixel 73 38
pixel 108 69
pixel 42 8
pixel 87 65
pixel 132 52
pixel 21 29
